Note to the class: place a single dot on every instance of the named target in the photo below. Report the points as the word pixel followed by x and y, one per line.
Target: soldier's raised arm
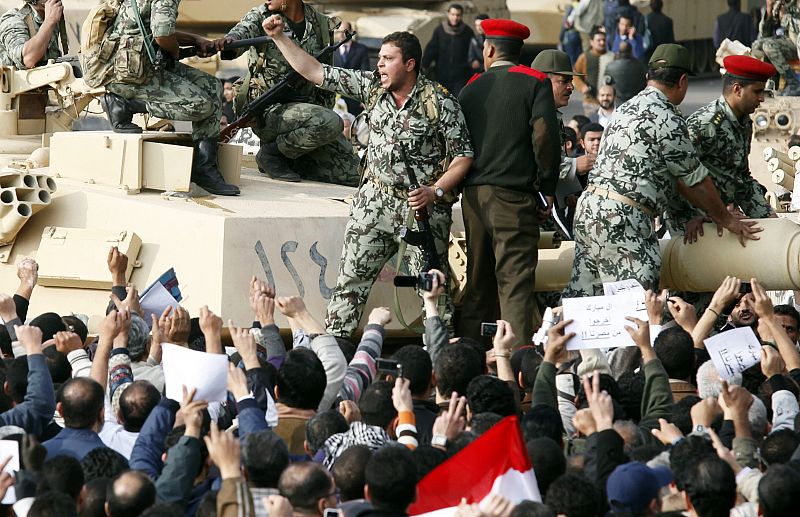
pixel 34 49
pixel 304 63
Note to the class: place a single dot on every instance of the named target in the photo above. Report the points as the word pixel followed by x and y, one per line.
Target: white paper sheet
pixel 599 321
pixel 155 300
pixel 10 448
pixel 206 372
pixel 734 351
pixel 621 287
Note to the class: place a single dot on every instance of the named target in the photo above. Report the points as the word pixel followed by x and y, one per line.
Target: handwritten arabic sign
pixel 621 287
pixel 734 351
pixel 599 321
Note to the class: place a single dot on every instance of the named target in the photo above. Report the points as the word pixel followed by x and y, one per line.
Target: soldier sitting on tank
pixel 29 35
pixel 302 134
pixel 172 91
pixel 777 40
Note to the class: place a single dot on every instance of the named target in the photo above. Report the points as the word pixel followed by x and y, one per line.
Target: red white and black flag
pixel 495 463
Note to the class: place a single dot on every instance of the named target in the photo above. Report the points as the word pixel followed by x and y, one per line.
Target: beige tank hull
pixel 374 19
pixel 290 235
pixel 773 123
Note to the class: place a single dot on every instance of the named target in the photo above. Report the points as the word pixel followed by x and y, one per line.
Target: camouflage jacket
pixel 723 145
pixel 14 33
pixel 789 23
pixel 390 127
pixel 646 148
pixel 266 64
pixel 159 17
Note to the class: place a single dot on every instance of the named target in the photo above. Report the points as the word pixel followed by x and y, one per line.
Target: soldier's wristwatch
pixel 439 191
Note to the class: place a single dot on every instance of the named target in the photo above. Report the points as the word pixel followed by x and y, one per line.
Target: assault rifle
pixel 228 50
pixel 74 62
pixel 274 95
pixel 421 238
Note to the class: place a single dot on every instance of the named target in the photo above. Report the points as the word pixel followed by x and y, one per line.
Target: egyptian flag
pixel 495 463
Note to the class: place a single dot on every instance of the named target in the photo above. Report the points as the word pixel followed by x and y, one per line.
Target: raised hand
pixel 452 422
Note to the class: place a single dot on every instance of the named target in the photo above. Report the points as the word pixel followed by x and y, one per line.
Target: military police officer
pixel 645 156
pixel 511 118
pixel 171 90
pixel 414 124
pixel 301 134
pixel 29 35
pixel 721 133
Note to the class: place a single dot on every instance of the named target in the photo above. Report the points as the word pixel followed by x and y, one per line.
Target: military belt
pixel 601 192
pixel 399 192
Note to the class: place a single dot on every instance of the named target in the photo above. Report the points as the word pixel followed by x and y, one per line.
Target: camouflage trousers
pixel 183 93
pixel 779 51
pixel 371 239
pixel 613 242
pixel 311 135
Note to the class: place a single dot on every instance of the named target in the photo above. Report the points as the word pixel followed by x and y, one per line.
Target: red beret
pixel 747 67
pixel 509 29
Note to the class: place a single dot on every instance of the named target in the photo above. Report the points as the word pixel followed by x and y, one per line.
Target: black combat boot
pixel 120 112
pixel 272 162
pixel 205 172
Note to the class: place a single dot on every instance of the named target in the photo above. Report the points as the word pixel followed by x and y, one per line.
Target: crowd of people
pixel 651 429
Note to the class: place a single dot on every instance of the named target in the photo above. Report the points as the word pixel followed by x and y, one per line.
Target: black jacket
pixel 425 412
pixel 661 31
pixel 450 52
pixel 357 57
pixel 735 25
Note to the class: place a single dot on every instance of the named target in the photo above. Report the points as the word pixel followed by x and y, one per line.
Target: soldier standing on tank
pixel 645 157
pixel 173 91
pixel 29 35
pixel 777 40
pixel 301 134
pixel 721 133
pixel 414 124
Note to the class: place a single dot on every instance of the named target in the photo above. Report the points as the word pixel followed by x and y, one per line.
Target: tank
pixel 65 196
pixel 693 23
pixel 374 19
pixel 774 122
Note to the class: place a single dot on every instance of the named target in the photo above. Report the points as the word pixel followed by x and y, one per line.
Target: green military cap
pixel 671 55
pixel 553 62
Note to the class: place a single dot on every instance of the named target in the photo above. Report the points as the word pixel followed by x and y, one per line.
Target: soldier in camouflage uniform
pixel 721 133
pixel 414 124
pixel 175 92
pixel 36 24
pixel 572 171
pixel 646 154
pixel 302 135
pixel 778 38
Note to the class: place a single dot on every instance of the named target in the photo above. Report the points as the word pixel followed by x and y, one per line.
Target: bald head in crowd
pixel 131 493
pixel 309 487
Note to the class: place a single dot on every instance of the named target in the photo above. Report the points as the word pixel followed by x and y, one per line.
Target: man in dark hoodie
pixel 449 50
